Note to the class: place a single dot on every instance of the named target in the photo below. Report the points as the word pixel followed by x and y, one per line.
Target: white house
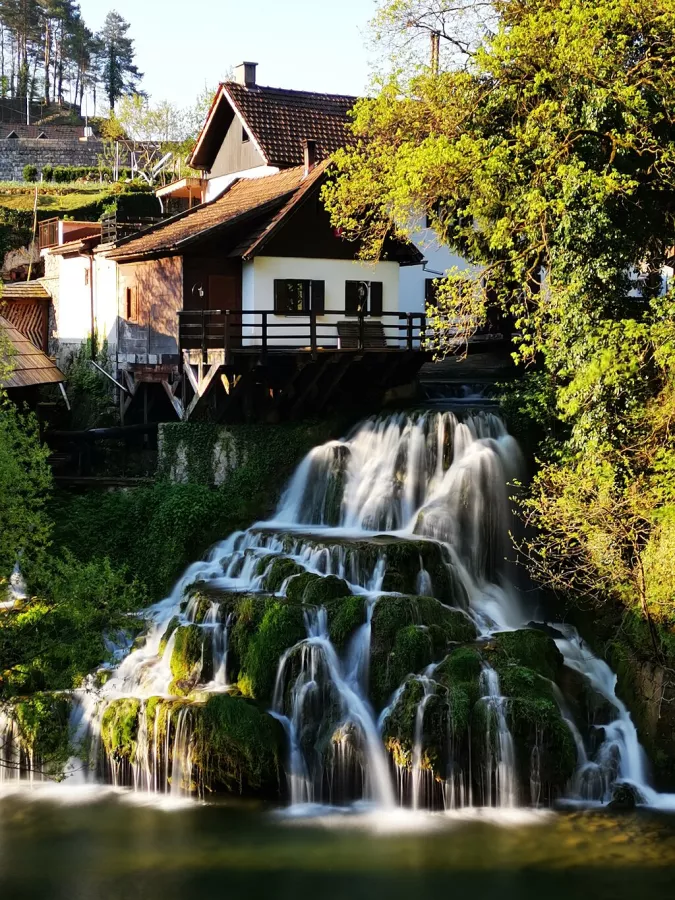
pixel 252 131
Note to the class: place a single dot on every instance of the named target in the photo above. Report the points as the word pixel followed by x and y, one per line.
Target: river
pixel 104 847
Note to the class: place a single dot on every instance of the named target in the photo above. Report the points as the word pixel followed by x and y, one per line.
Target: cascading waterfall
pixel 410 516
pixel 500 782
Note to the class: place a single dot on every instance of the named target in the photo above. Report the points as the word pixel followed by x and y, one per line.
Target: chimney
pixel 309 155
pixel 244 73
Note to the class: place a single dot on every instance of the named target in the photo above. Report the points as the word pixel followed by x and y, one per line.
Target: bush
pixel 30 173
pixel 48 172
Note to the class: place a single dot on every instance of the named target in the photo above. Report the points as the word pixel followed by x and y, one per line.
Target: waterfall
pixel 500 782
pixel 410 512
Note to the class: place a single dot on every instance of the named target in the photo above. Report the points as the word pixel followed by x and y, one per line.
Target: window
pixel 244 135
pixel 364 298
pixel 132 305
pixel 297 297
pixel 430 290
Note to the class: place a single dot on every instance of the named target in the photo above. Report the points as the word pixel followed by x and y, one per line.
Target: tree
pixel 119 73
pixel 548 161
pixel 25 480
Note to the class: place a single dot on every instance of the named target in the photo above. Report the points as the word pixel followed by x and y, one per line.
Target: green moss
pixel 460 674
pixel 44 727
pixel 538 723
pixel 316 590
pixel 119 729
pixel 529 648
pixel 345 615
pixel 191 660
pixel 238 747
pixel 166 637
pixel 281 627
pixel 278 571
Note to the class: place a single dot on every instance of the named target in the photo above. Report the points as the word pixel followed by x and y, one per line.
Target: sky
pixel 184 45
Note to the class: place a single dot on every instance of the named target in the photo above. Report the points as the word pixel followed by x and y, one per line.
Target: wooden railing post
pixel 362 330
pixel 312 333
pixel 227 339
pixel 204 342
pixel 264 335
pixel 410 331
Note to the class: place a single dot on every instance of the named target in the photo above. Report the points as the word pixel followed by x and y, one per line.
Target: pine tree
pixel 119 73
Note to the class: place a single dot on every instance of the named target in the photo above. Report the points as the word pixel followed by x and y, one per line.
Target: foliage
pixel 119 73
pixel 90 392
pixel 58 636
pixel 30 173
pixel 25 483
pixel 159 530
pixel 547 160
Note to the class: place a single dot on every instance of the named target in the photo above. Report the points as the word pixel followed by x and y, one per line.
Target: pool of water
pixel 103 846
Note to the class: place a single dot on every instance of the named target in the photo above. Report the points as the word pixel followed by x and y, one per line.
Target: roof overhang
pixel 185 189
pixel 210 137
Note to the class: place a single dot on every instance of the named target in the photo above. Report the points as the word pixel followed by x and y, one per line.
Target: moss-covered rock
pixel 191 660
pixel 238 747
pixel 166 637
pixel 119 729
pixel 409 633
pixel 529 648
pixel 316 590
pixel 276 572
pixel 544 745
pixel 345 616
pixel 460 673
pixel 281 627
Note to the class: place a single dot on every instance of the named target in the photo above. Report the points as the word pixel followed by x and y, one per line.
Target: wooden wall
pixel 157 295
pixel 235 155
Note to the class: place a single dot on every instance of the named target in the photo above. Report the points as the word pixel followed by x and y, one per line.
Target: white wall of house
pixel 74 281
pixel 215 186
pixel 258 294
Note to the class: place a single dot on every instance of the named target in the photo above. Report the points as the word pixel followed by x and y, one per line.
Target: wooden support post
pixel 312 333
pixel 227 340
pixel 264 336
pixel 410 331
pixel 204 347
pixel 362 324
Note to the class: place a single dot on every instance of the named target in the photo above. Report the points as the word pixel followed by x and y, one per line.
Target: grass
pixel 61 198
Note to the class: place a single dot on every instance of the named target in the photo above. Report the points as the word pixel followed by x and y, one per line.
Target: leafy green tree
pixel 25 480
pixel 119 73
pixel 547 160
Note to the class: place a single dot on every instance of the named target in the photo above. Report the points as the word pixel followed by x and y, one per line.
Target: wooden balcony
pixel 221 335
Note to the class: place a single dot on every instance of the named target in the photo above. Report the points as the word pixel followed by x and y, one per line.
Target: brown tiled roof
pixel 50 132
pixel 247 199
pixel 281 119
pixel 24 290
pixel 29 365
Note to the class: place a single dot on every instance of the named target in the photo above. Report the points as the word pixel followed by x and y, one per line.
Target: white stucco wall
pixel 216 186
pixel 105 299
pixel 258 294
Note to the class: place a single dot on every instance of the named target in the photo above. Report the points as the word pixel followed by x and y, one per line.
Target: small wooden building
pixel 30 367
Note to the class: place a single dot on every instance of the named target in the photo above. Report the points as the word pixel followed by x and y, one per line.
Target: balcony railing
pixel 114 228
pixel 234 332
pixel 48 235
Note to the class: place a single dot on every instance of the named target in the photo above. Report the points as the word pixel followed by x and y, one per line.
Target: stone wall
pixel 15 153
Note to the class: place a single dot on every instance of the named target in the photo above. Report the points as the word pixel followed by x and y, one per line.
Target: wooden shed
pixel 29 366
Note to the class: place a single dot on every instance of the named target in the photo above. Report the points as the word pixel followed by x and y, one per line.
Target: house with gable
pixel 245 301
pixel 252 130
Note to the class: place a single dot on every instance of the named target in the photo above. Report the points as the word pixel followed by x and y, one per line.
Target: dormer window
pixel 244 135
pixel 13 136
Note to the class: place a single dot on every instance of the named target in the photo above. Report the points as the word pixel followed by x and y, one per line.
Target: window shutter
pixel 352 298
pixel 318 297
pixel 280 297
pixel 376 298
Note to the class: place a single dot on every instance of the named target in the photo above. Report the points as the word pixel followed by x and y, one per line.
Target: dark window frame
pixel 313 299
pixel 375 297
pixel 245 137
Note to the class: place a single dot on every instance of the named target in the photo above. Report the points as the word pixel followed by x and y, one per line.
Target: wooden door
pixel 225 293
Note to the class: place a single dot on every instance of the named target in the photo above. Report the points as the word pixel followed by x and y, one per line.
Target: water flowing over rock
pixel 369 643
